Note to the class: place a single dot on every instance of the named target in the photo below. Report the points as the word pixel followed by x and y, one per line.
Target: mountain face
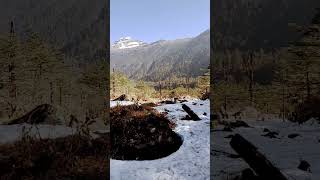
pixel 127 43
pixel 164 59
pixel 77 27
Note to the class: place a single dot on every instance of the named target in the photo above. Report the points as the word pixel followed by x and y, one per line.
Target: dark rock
pixel 292 136
pixel 187 117
pixel 304 166
pixel 248 174
pixel 271 135
pixel 146 105
pixel 266 130
pixel 123 97
pixel 167 102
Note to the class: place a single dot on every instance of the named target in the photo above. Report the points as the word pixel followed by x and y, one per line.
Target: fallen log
pixel 167 102
pixel 257 161
pixel 230 155
pixel 41 114
pixel 192 115
pixel 123 97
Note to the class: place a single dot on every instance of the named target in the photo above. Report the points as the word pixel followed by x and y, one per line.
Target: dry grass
pixel 141 133
pixel 72 157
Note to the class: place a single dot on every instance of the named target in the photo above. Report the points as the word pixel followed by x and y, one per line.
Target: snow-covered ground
pixel 283 152
pixel 120 103
pixel 191 161
pixel 12 133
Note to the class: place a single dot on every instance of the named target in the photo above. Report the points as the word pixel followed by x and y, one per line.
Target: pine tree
pixel 304 62
pixel 10 59
pixel 249 65
pixel 281 85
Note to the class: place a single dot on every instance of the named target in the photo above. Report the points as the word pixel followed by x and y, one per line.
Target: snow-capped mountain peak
pixel 127 42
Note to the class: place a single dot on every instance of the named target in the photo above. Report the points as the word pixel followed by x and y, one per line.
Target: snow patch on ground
pixel 284 153
pixel 191 161
pixel 120 103
pixel 12 133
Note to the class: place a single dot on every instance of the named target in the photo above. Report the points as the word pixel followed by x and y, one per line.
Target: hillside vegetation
pixel 171 88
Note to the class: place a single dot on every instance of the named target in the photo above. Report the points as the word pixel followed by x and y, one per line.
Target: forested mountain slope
pixel 78 27
pixel 164 59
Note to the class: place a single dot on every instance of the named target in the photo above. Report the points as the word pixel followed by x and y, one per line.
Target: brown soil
pixel 72 157
pixel 141 133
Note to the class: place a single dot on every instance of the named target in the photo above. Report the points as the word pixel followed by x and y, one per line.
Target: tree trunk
pixel 160 91
pixel 225 104
pixel 51 93
pixel 308 87
pixel 251 87
pixel 283 103
pixel 113 83
pixel 256 160
pixel 60 95
pixel 193 115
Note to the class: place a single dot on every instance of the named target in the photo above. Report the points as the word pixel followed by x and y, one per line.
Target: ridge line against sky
pixel 153 20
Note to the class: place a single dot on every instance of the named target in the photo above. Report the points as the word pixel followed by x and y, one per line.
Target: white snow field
pixel 191 161
pixel 283 152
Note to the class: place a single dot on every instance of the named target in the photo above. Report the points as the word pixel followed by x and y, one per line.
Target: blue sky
pixel 152 20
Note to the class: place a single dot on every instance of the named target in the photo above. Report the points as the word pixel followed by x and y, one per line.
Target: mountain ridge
pixel 127 43
pixel 164 58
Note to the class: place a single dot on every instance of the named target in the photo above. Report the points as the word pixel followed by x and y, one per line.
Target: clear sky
pixel 152 20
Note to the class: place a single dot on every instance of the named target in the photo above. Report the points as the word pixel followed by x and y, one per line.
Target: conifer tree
pixel 304 61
